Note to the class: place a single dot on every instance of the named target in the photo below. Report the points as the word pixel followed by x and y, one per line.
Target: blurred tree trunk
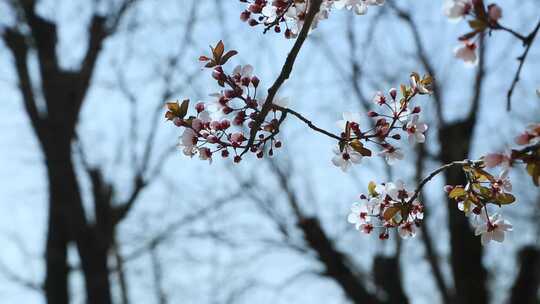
pixel 63 92
pixel 527 283
pixel 470 275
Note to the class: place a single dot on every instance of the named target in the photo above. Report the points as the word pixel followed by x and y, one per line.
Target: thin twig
pixel 307 121
pixel 439 170
pixel 527 42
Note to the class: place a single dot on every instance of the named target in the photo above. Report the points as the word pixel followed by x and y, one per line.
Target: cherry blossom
pixel 456 9
pixel 188 140
pixel 359 215
pixel 358 6
pixel 416 130
pixel 492 160
pixel 492 228
pixel 407 230
pixel 344 159
pixel 392 155
pixel 502 183
pixel 387 206
pixel 467 53
pixel 352 118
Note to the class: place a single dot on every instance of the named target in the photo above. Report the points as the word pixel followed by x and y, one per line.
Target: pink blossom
pixel 467 53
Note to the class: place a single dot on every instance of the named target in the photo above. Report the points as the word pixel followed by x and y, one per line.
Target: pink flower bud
pixel 494 13
pixel 523 139
pixel 229 93
pixel 255 81
pixel 372 114
pixel 416 110
pixel 212 139
pixel 493 159
pixel 179 122
pixel 393 93
pixel 255 8
pixel 237 159
pixel 224 124
pixel 224 153
pixel 244 16
pixel 448 188
pixel 199 107
pixel 227 110
pixel 237 137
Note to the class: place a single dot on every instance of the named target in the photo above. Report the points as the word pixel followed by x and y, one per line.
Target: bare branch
pixel 314 6
pixel 527 43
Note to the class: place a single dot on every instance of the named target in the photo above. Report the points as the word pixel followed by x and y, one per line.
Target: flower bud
pixel 244 16
pixel 393 93
pixel 372 114
pixel 255 81
pixel 494 13
pixel 212 139
pixel 416 110
pixel 224 153
pixel 237 159
pixel 199 107
pixel 255 8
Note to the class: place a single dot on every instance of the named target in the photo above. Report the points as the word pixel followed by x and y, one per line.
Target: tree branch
pixel 314 7
pixel 527 43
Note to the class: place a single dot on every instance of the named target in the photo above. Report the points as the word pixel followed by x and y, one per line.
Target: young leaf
pixel 505 199
pixel 457 192
pixel 227 56
pixel 182 111
pixel 390 212
pixel 218 51
pixel 371 189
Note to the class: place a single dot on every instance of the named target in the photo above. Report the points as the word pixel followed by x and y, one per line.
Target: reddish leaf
pixel 227 56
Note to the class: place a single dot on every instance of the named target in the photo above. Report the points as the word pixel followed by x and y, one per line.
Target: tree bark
pixel 527 283
pixel 470 275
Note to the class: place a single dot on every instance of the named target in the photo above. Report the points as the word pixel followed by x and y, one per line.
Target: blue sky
pixel 198 266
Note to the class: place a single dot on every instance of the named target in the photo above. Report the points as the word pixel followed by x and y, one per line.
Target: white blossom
pixel 344 159
pixel 492 228
pixel 416 130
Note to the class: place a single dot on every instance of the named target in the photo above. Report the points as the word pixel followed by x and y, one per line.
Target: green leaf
pixel 359 147
pixel 478 25
pixel 371 189
pixel 457 192
pixel 183 108
pixel 505 199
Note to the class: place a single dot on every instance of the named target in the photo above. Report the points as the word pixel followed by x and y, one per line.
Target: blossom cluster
pixel 529 155
pixel 393 116
pixel 223 125
pixel 473 199
pixel 288 16
pixel 387 206
pixel 481 18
